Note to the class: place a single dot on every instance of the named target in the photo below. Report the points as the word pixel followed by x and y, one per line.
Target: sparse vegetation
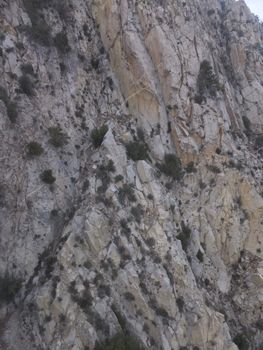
pixel 26 85
pixel 34 149
pixel 4 95
pixel 11 107
pixel 118 178
pixel 190 168
pixel 171 166
pixel 259 141
pixel 57 137
pixel 137 150
pixel 47 177
pixel 246 122
pixel 214 169
pixel 137 213
pixel 61 42
pixel 12 111
pixel 27 68
pixel 9 286
pixel 97 135
pixel 120 341
pixel 200 256
pixel 184 236
pixel 126 192
pixel 241 341
pixel 207 82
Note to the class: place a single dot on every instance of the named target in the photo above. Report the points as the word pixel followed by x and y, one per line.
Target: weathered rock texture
pixel 175 261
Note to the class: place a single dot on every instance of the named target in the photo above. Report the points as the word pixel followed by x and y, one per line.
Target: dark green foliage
pixel 39 31
pixel 161 312
pixel 207 82
pixel 97 135
pixel 9 286
pixel 120 342
pixel 241 341
pixel 47 177
pixel 27 69
pixel 118 178
pixel 184 236
pixel 126 193
pixel 140 134
pixel 34 149
pixel 137 213
pixel 259 324
pixel 190 168
pixel 12 111
pixel 214 169
pixel 171 166
pixel 61 42
pixel 180 304
pixel 247 123
pixel 129 296
pixel 200 256
pixel 103 174
pixel 137 150
pixel 26 85
pixel 259 141
pixel 4 95
pixel 57 137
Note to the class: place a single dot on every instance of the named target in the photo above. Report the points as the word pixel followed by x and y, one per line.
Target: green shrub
pixel 47 177
pixel 207 82
pixel 9 286
pixel 61 42
pixel 137 213
pixel 3 95
pixel 171 166
pixel 27 69
pixel 120 342
pixel 26 85
pixel 241 341
pixel 259 141
pixel 118 178
pixel 12 111
pixel 190 168
pixel 137 150
pixel 214 169
pixel 184 236
pixel 200 256
pixel 40 32
pixel 246 122
pixel 57 137
pixel 34 149
pixel 126 193
pixel 97 135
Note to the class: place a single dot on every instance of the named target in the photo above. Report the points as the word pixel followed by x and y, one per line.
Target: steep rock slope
pixel 151 226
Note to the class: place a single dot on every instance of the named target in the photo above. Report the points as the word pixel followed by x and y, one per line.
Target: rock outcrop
pixel 131 178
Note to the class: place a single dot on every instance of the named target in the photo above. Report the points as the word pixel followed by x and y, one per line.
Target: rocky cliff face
pixel 131 178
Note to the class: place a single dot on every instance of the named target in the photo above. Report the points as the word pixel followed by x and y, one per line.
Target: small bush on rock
pixel 47 177
pixel 61 42
pixel 207 82
pixel 171 166
pixel 57 137
pixel 26 85
pixel 97 135
pixel 137 150
pixel 34 149
pixel 120 342
pixel 12 111
pixel 9 286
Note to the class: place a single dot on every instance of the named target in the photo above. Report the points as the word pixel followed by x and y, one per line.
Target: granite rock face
pixel 131 174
